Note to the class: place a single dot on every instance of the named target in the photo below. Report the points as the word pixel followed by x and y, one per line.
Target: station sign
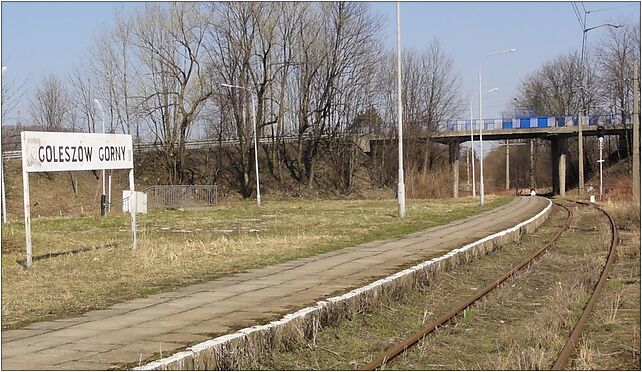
pixel 65 151
pixel 60 151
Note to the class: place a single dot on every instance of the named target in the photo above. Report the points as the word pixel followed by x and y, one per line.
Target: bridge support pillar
pixel 453 156
pixel 559 149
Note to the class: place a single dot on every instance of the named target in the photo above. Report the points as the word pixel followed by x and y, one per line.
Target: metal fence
pixel 181 196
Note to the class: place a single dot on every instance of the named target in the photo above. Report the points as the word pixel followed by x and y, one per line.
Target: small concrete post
pixel 453 155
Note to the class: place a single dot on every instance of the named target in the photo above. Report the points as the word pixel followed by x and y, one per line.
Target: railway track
pixel 565 354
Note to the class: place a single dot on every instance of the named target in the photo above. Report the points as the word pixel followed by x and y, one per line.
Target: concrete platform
pixel 129 333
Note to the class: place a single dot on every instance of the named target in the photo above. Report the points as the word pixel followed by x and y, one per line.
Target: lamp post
pixel 256 154
pixel 472 143
pixel 580 143
pixel 102 196
pixel 481 124
pixel 4 195
pixel 401 194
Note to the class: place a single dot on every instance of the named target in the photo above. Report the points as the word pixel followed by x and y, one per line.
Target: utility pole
pixel 4 194
pixel 532 165
pixel 508 160
pixel 468 168
pixel 401 194
pixel 636 134
pixel 472 144
pixel 507 166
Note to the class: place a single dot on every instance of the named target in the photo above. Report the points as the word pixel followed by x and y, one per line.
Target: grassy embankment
pixel 177 248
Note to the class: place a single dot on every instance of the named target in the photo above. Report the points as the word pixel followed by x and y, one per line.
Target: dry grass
pixel 436 183
pixel 184 247
pixel 522 325
pixel 355 342
pixel 611 340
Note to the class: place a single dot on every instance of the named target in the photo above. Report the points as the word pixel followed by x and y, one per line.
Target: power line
pixel 577 15
pixel 611 8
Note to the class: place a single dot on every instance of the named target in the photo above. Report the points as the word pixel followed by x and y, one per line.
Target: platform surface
pixel 129 333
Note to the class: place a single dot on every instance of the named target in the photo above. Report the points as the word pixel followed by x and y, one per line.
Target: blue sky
pixel 43 37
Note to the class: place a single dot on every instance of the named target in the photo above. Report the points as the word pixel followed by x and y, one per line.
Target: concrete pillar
pixel 624 144
pixel 563 149
pixel 555 154
pixel 559 149
pixel 453 156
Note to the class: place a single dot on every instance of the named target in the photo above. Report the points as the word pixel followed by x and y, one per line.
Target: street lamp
pixel 102 197
pixel 401 188
pixel 256 154
pixel 472 143
pixel 481 124
pixel 580 144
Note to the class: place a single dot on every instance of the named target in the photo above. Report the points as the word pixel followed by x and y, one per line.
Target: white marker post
pixel 56 152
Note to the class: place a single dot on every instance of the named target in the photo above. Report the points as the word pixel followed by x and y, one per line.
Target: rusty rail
pixel 568 349
pixel 403 345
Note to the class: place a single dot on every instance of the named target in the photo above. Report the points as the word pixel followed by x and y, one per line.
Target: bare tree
pixel 12 94
pixel 615 54
pixel 173 82
pixel 556 88
pixel 431 94
pixel 82 98
pixel 50 107
pixel 335 42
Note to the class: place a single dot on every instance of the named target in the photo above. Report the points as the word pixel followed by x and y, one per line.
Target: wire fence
pixel 181 196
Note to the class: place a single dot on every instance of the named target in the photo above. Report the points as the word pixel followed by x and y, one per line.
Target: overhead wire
pixel 577 15
pixel 611 8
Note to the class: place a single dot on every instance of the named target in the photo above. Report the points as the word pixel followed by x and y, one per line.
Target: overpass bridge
pixel 556 129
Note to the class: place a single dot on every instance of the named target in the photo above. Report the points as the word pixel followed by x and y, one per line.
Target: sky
pixel 52 37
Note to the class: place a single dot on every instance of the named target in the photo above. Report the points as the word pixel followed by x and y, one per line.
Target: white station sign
pixel 60 151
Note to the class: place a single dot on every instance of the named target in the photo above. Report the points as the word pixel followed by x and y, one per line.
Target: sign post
pixel 59 151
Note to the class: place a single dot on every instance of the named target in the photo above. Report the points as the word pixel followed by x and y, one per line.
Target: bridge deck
pixel 522 133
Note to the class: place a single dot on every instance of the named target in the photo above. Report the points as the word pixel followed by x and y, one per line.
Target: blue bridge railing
pixel 535 122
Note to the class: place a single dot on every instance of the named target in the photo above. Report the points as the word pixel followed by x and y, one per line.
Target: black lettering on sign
pixel 41 154
pixel 48 153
